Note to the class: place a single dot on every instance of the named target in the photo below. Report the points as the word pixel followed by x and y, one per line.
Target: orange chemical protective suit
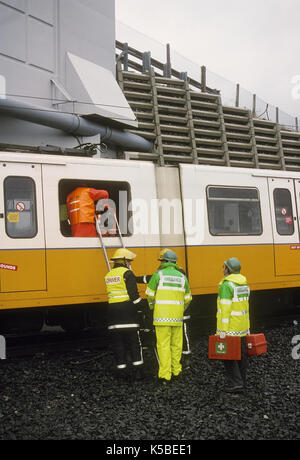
pixel 81 210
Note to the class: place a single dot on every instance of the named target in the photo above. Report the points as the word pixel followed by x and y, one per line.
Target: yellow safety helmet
pixel 162 252
pixel 168 255
pixel 123 253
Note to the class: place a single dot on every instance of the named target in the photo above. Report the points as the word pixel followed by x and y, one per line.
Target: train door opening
pixel 285 227
pixel 22 242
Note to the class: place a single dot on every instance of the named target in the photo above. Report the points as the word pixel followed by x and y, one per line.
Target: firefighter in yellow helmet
pixel 122 317
pixel 169 294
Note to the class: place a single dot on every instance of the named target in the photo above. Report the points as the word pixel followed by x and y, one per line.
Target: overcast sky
pixel 251 42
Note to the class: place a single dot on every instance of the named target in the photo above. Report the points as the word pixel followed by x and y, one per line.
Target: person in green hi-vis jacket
pixel 233 320
pixel 168 294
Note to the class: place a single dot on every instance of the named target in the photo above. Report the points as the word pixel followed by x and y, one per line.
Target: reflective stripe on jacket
pixel 169 293
pixel 116 286
pixel 233 305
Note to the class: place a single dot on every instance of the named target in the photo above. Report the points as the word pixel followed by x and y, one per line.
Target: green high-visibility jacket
pixel 233 305
pixel 168 292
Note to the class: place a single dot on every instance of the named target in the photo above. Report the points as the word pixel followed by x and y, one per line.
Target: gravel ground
pixel 76 396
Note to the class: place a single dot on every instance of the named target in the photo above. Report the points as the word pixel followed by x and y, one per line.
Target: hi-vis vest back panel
pixel 80 206
pixel 233 306
pixel 116 286
pixel 169 292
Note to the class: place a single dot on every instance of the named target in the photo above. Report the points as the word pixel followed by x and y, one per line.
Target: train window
pixel 234 211
pixel 283 211
pixel 20 207
pixel 119 198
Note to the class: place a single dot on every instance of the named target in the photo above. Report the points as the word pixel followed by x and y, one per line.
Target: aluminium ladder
pixel 98 228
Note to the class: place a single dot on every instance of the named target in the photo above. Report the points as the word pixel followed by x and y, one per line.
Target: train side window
pixel 119 197
pixel 234 211
pixel 283 211
pixel 20 207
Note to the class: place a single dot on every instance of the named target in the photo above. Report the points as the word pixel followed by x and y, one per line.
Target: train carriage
pixel 205 213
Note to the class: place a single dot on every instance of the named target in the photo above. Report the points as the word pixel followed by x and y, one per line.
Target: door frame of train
pixel 297 199
pixel 76 265
pixel 286 247
pixel 23 260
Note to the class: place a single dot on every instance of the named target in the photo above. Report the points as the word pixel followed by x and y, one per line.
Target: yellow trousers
pixel 169 341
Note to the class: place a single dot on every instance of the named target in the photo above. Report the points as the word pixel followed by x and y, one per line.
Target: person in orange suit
pixel 81 210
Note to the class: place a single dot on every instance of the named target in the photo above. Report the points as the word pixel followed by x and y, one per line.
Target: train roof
pixel 60 160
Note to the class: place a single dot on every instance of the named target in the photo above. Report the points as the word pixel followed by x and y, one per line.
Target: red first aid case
pixel 228 348
pixel 256 344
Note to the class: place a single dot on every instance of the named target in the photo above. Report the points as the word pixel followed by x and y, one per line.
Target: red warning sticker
pixel 13 268
pixel 20 206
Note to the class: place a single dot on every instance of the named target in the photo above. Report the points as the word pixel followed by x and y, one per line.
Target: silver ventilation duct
pixel 74 124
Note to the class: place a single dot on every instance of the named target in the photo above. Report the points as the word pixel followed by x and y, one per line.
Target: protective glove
pixel 222 335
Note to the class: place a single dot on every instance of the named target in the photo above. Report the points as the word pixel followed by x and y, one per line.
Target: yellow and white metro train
pixel 205 213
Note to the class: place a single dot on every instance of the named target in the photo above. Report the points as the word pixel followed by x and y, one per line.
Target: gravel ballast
pixel 76 396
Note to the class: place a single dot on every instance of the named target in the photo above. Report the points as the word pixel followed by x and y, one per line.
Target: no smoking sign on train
pixel 20 206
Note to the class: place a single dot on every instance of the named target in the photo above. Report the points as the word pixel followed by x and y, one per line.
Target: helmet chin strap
pixel 127 263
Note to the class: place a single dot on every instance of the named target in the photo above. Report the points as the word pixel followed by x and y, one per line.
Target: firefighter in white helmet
pixel 122 317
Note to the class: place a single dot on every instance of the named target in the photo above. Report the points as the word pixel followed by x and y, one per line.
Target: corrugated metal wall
pixel 35 36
